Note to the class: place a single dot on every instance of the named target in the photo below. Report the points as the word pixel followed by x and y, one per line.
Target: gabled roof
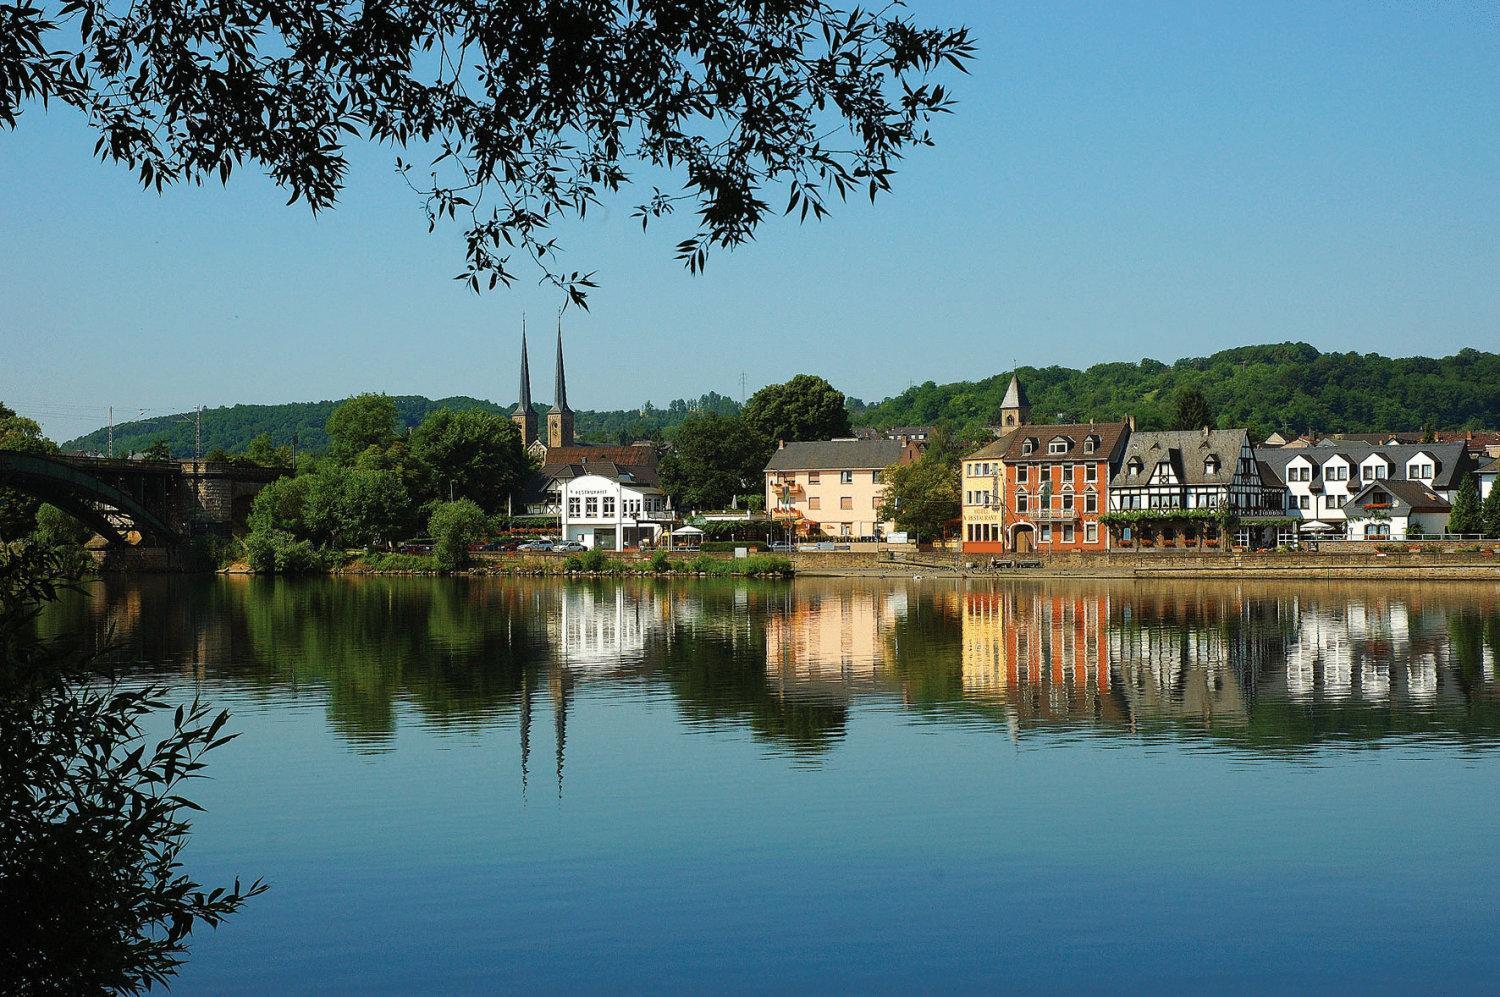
pixel 1413 495
pixel 1109 434
pixel 994 450
pixel 1453 461
pixel 632 455
pixel 836 455
pixel 1186 451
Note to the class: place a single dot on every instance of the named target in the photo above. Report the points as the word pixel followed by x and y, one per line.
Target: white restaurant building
pixel 606 506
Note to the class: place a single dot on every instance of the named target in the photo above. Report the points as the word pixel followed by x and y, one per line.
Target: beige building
pixel 832 488
pixel 983 499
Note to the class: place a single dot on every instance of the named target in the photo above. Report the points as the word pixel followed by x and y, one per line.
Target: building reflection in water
pixel 1285 665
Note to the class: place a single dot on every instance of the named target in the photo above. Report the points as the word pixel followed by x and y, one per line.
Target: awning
pixel 1316 527
pixel 687 531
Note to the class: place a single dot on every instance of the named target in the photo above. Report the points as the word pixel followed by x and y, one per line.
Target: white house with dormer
pixel 605 506
pixel 1321 481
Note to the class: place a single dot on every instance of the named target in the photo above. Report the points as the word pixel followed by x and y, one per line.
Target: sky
pixel 1121 180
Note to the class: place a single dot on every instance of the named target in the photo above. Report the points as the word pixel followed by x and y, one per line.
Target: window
pixel 815 503
pixel 1028 446
pixel 846 477
pixel 874 477
pixel 1423 471
pixel 1067 533
pixel 591 507
pixel 1057 446
pixel 814 477
pixel 1023 473
pixel 575 506
pixel 1021 502
pixel 1135 465
pixel 1286 536
pixel 1242 536
pixel 609 505
pixel 1163 469
pixel 1091 473
pixel 874 501
pixel 1046 533
pixel 1333 501
pixel 1067 501
pixel 1067 472
pixel 1211 466
pixel 1302 502
pixel 846 502
pixel 1090 444
pixel 1090 533
pixel 1090 502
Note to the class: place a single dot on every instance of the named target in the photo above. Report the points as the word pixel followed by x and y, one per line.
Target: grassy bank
pixel 589 564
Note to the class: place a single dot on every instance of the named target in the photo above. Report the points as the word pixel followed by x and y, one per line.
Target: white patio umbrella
pixel 1316 526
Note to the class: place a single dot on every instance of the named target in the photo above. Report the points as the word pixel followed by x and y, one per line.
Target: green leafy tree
pixel 1465 517
pixel 922 497
pixel 1191 410
pixel 804 408
pixel 714 458
pixel 1490 511
pixel 731 98
pixel 469 454
pixel 94 811
pixel 453 526
pixel 158 450
pixel 363 422
pixel 260 450
pixel 18 510
pixel 350 507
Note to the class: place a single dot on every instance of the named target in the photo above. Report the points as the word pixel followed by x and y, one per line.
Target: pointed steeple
pixel 524 405
pixel 1015 409
pixel 560 384
pixel 523 416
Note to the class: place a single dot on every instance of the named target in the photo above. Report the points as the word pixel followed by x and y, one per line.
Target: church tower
pixel 524 416
pixel 1015 410
pixel 560 417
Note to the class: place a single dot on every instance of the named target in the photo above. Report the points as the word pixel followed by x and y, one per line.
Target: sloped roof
pixel 635 455
pixel 1110 435
pixel 1015 395
pixel 1186 450
pixel 1412 494
pixel 1269 477
pixel 1453 461
pixel 834 455
pixel 994 450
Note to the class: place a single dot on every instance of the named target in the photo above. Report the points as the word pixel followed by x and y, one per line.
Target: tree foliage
pixel 453 526
pixel 359 424
pixel 529 112
pixel 1465 516
pixel 1287 387
pixel 466 454
pixel 922 497
pixel 18 510
pixel 1192 411
pixel 714 458
pixel 1490 511
pixel 92 814
pixel 805 408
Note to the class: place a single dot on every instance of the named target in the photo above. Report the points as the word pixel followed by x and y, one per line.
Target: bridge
pixel 140 503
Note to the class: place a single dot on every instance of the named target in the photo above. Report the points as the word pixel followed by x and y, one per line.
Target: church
pixel 563 458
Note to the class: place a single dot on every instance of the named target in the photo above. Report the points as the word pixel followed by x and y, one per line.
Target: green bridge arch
pixel 85 495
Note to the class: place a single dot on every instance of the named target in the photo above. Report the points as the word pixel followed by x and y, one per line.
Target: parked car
pixel 416 547
pixel 568 547
pixel 535 545
pixel 782 547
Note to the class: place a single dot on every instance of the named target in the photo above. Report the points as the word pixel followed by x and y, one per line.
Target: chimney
pixel 1130 421
pixel 781 444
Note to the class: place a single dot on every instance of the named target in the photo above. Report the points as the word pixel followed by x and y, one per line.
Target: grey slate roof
pixel 1452 459
pixel 1015 395
pixel 1186 450
pixel 1410 496
pixel 836 455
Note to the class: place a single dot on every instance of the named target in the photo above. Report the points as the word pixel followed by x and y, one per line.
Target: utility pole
pixel 198 435
pixel 110 445
pixel 742 389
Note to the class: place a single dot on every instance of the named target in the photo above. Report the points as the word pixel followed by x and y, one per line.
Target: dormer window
pixel 1420 470
pixel 1091 444
pixel 1028 446
pixel 1210 465
pixel 1136 465
pixel 1057 447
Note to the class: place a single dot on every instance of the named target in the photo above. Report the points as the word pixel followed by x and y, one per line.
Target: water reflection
pixel 1256 666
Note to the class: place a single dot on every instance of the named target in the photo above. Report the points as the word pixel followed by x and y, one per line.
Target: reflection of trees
pixel 1268 666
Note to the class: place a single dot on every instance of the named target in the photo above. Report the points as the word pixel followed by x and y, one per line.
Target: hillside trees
pixel 362 423
pixel 1191 410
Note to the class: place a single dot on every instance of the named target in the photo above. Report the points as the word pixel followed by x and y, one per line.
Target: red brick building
pixel 1057 485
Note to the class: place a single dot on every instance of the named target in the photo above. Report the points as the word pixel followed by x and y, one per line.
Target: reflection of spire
pixel 559 685
pixel 525 726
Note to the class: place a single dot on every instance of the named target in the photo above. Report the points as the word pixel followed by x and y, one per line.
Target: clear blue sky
pixel 1121 180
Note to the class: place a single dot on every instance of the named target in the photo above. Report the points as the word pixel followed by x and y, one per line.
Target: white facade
pixel 607 513
pixel 1320 481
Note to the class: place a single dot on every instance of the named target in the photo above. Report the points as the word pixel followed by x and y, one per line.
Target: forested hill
pixel 1289 386
pixel 231 427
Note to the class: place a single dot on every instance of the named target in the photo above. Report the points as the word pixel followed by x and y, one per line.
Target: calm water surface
pixel 482 785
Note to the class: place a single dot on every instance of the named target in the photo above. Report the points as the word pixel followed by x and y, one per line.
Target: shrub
pixel 594 560
pixel 272 551
pixel 400 562
pixel 728 546
pixel 453 526
pixel 660 562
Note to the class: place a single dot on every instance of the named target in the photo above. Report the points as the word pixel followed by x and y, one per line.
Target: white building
pixel 1321 480
pixel 606 506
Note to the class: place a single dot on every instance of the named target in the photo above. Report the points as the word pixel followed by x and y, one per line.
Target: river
pixel 483 784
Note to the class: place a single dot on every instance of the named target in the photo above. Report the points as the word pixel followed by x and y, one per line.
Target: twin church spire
pixel 559 417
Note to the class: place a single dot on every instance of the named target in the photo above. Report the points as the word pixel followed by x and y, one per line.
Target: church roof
pixel 560 380
pixel 1015 395
pixel 524 405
